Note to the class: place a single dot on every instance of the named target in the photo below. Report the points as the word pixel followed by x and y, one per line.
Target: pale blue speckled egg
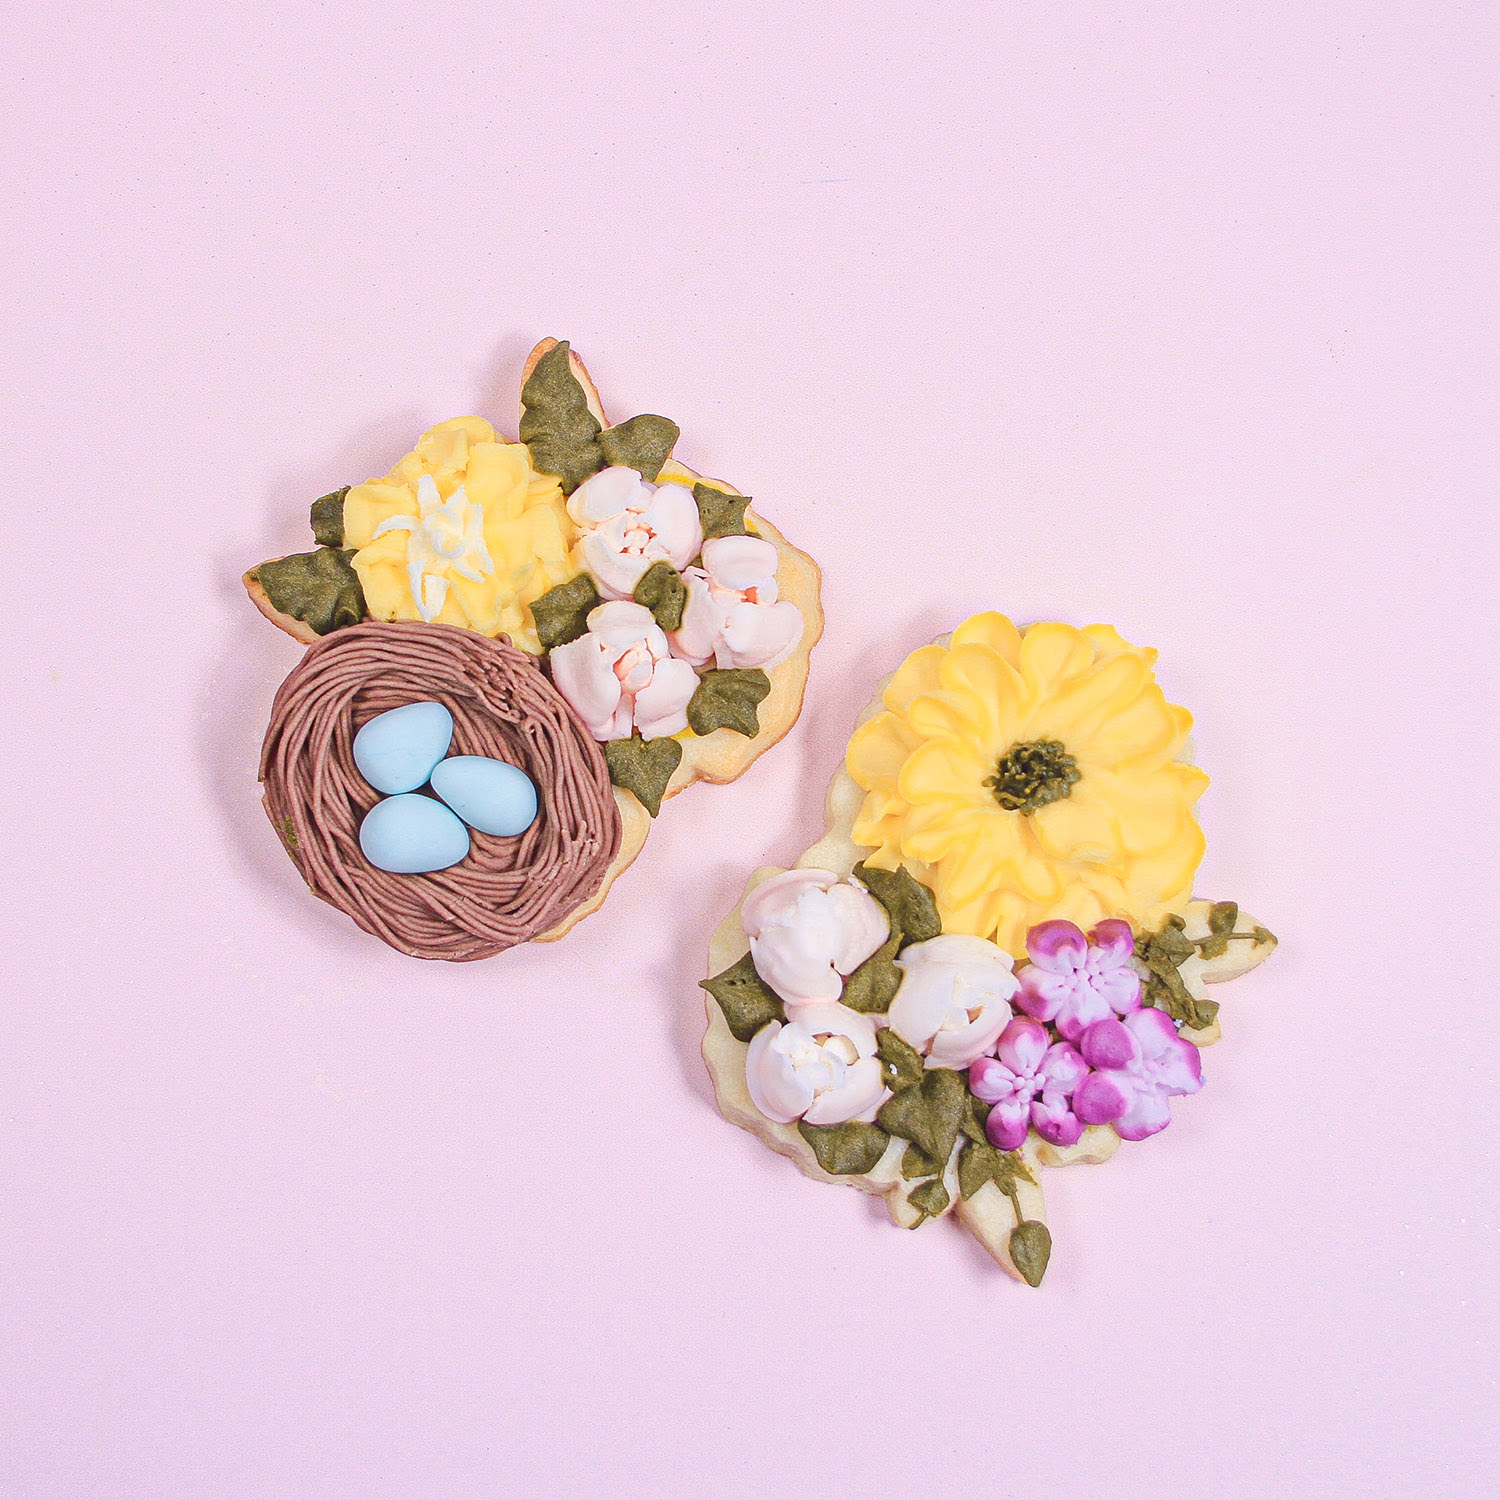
pixel 396 750
pixel 412 835
pixel 487 794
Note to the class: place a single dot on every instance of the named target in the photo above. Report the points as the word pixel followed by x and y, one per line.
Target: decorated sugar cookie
pixel 993 961
pixel 516 652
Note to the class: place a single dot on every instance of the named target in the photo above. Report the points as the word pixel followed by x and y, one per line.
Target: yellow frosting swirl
pixel 474 547
pixel 1121 841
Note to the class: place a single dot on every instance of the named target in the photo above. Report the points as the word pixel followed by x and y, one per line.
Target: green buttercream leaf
pixel 915 1162
pixel 320 588
pixel 556 423
pixel 663 592
pixel 972 1121
pixel 1163 952
pixel 1222 916
pixel 975 1167
pixel 747 1001
pixel 901 1065
pixel 929 1114
pixel 1031 1249
pixel 726 699
pixel 643 767
pixel 907 902
pixel 846 1150
pixel 644 442
pixel 327 517
pixel 873 985
pixel 721 514
pixel 562 613
pixel 930 1197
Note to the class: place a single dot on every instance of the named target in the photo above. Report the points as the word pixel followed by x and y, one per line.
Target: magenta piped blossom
pixel 1029 1082
pixel 1073 980
pixel 1139 1064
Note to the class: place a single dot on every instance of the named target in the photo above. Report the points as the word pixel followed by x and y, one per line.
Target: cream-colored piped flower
pixel 954 998
pixel 446 537
pixel 820 1067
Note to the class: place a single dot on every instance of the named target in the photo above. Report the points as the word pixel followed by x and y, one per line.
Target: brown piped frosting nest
pixel 507 890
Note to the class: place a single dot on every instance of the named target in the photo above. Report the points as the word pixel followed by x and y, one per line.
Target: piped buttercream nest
pixel 507 890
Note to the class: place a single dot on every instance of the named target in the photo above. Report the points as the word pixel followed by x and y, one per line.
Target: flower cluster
pixel 1056 1046
pixel 626 674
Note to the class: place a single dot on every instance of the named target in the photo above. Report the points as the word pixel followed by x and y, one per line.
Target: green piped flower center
pixel 1032 774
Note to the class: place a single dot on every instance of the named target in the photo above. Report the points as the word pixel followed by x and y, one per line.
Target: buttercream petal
pixel 759 635
pixel 673 517
pixel 1062 1069
pixel 661 706
pixel 1078 828
pixel 739 562
pixel 1178 1068
pixel 992 630
pixel 861 1093
pixel 583 676
pixel 1114 939
pixel 862 925
pixel 606 494
pixel 1052 653
pixel 962 1045
pixel 775 1089
pixel 616 573
pixel 774 902
pixel 702 618
pixel 1006 1125
pixel 1057 946
pixel 1149 1112
pixel 1102 1097
pixel 1120 989
pixel 1022 1045
pixel 1152 1030
pixel 1054 1121
pixel 1107 1044
pixel 991 1080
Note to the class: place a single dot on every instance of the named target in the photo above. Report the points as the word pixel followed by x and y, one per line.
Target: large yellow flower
pixel 1031 775
pixel 464 531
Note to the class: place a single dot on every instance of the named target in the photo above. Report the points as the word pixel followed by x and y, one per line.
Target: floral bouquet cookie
pixel 516 652
pixel 993 961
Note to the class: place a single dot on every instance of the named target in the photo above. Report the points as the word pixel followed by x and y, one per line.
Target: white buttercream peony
pixel 621 675
pixel 820 1067
pixel 628 524
pixel 954 999
pixel 732 613
pixel 808 930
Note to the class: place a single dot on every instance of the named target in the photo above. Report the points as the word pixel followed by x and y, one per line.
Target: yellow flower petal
pixel 1077 708
pixel 987 690
pixel 1080 827
pixel 940 769
pixel 917 674
pixel 878 749
pixel 993 630
pixel 1050 654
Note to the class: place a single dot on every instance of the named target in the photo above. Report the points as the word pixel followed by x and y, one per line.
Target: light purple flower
pixel 1074 981
pixel 1029 1082
pixel 1139 1064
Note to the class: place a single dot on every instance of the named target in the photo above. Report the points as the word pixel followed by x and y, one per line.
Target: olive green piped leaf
pixel 1222 916
pixel 846 1150
pixel 721 514
pixel 556 423
pixel 907 902
pixel 975 1167
pixel 663 592
pixel 873 985
pixel 1031 1249
pixel 643 767
pixel 971 1122
pixel 747 1001
pixel 901 1065
pixel 931 1198
pixel 929 1114
pixel 562 613
pixel 915 1162
pixel 1163 952
pixel 327 517
pixel 644 443
pixel 320 588
pixel 726 699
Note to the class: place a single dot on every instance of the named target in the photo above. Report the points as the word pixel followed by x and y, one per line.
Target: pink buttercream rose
pixel 808 930
pixel 621 675
pixel 732 613
pixel 820 1067
pixel 628 524
pixel 1073 980
pixel 954 998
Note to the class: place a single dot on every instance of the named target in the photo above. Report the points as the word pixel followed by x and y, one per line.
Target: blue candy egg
pixel 412 835
pixel 487 794
pixel 396 751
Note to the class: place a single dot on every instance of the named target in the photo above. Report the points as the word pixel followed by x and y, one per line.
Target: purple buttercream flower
pixel 1073 980
pixel 1139 1064
pixel 1029 1082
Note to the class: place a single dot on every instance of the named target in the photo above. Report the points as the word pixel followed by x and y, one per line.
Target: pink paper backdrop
pixel 1178 316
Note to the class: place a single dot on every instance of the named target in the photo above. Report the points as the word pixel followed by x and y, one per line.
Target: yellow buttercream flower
pixel 1031 775
pixel 463 531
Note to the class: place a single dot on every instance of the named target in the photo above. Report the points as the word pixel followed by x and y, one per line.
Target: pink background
pixel 1178 316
